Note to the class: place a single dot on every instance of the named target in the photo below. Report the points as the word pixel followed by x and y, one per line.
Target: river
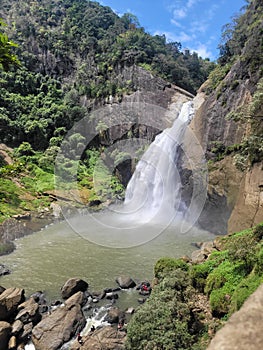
pixel 46 259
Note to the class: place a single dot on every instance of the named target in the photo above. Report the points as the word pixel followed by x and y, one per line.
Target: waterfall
pixel 153 193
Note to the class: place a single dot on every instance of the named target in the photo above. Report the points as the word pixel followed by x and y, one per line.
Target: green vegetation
pixel 163 321
pixel 170 319
pixel 7 58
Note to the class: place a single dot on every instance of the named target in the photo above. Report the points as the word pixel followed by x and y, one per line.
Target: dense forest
pixel 70 61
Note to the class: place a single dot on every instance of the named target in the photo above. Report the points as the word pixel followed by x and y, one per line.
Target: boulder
pixel 207 248
pixel 4 270
pixel 5 331
pixel 28 312
pixel 130 311
pixel 27 330
pixel 2 289
pixel 77 298
pixel 113 315
pixel 12 343
pixel 17 326
pixel 39 297
pixel 99 294
pixel 72 286
pixel 197 257
pixel 58 327
pixel 111 296
pixel 9 301
pixel 104 338
pixel 125 282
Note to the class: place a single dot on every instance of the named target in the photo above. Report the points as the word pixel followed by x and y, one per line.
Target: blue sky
pixel 196 24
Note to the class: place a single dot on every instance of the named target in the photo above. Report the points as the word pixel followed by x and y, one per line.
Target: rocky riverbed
pixel 81 318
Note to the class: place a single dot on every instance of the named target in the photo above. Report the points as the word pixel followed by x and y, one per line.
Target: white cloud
pixel 182 37
pixel 191 3
pixel 180 13
pixel 176 23
pixel 202 51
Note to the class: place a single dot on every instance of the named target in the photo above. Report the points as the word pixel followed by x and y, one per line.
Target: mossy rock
pixel 245 288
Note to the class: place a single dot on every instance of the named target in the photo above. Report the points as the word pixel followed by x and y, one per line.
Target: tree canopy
pixel 7 58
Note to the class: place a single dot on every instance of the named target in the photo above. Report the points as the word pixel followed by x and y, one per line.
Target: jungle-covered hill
pixel 72 57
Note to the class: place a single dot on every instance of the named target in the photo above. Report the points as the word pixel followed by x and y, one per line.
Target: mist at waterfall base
pixel 153 196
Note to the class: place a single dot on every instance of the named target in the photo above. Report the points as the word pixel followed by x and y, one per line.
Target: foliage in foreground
pixel 168 319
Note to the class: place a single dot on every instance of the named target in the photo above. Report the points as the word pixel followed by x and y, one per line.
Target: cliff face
pixel 238 192
pixel 227 123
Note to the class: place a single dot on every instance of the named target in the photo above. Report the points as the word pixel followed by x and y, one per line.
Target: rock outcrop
pixel 235 195
pixel 9 301
pixel 106 338
pixel 243 330
pixel 72 286
pixel 58 327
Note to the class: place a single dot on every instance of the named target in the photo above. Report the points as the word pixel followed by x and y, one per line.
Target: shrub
pixel 245 288
pixel 198 273
pixel 25 149
pixel 166 265
pixel 258 232
pixel 220 299
pixel 225 272
pixel 259 262
pixel 243 248
pixel 162 322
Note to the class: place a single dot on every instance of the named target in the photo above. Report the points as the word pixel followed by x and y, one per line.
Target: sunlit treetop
pixel 7 58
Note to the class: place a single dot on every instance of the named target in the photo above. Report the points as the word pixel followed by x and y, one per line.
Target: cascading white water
pixel 153 192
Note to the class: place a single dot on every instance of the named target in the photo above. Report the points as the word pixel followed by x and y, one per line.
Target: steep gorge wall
pixel 233 194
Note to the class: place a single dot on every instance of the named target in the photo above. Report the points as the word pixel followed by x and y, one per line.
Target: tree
pixel 7 58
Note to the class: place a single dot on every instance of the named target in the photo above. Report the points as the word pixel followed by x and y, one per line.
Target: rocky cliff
pixel 228 125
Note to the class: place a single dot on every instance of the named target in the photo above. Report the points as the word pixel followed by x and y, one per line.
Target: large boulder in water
pixel 125 282
pixel 4 270
pixel 5 331
pixel 72 286
pixel 58 327
pixel 9 301
pixel 114 315
pixel 104 338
